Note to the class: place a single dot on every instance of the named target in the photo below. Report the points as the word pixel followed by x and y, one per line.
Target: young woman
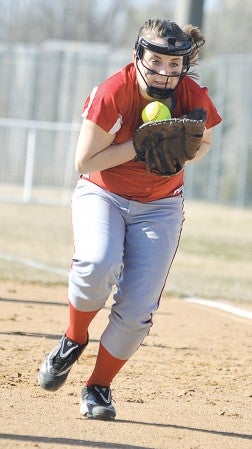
pixel 123 216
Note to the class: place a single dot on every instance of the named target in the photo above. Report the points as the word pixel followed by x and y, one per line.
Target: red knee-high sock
pixel 79 322
pixel 106 368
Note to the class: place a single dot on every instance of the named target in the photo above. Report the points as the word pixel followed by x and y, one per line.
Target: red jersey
pixel 116 106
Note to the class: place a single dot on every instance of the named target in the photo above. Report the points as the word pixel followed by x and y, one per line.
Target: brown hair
pixel 167 28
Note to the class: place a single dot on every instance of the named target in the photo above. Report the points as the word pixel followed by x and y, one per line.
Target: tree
pixel 190 11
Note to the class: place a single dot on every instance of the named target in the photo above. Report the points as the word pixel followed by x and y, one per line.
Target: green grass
pixel 214 259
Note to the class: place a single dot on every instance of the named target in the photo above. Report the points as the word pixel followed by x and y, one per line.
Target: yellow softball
pixel 155 111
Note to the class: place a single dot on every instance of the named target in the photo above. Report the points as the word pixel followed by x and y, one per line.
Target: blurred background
pixel 52 53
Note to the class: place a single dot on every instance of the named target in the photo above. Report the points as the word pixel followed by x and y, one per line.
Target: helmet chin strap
pixel 157 92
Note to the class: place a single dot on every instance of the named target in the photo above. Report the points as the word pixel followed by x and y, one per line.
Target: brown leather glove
pixel 164 146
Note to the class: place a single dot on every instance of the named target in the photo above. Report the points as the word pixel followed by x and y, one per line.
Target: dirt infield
pixel 187 387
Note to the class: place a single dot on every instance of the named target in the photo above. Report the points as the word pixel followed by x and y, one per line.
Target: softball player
pixel 126 222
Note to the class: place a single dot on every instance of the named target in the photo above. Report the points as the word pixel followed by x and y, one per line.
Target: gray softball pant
pixel 127 244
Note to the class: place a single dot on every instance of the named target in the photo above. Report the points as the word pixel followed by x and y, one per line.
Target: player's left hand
pixel 164 146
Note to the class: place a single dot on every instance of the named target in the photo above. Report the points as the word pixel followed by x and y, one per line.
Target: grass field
pixel 214 259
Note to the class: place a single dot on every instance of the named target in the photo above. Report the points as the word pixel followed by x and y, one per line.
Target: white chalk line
pixel 33 264
pixel 221 306
pixel 57 270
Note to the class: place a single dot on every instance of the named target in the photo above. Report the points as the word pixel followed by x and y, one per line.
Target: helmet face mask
pixel 171 49
pixel 184 49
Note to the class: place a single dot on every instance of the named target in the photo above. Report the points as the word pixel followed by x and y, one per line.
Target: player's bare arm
pixel 204 147
pixel 95 149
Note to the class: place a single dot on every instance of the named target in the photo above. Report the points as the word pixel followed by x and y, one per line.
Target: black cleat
pixel 56 366
pixel 96 403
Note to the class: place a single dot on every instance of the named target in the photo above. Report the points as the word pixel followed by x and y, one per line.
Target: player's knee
pixel 138 324
pixel 90 284
pixel 124 334
pixel 97 269
pixel 135 321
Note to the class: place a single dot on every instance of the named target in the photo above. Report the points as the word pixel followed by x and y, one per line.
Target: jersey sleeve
pixel 213 118
pixel 191 95
pixel 104 106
